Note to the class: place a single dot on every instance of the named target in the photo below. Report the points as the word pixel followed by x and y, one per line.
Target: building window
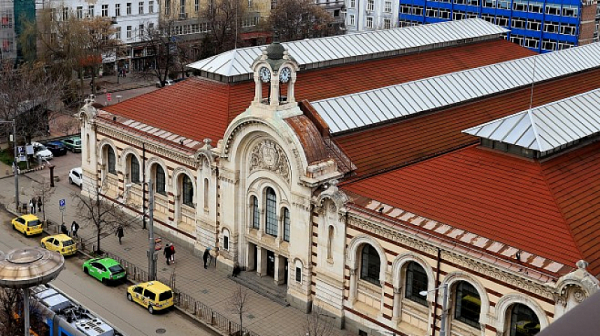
pixel 104 10
pixel 416 282
pixel 128 32
pixel 271 213
pixel 128 8
pixel 182 7
pixel 330 242
pixel 118 33
pixel 523 321
pixel 536 7
pixel 91 11
pixel 489 3
pixel 351 20
pixel 160 178
pixel 520 5
pixel 111 158
pixel 370 265
pixel 552 9
pixel 150 26
pixel 255 213
pixel 65 13
pixel 352 3
pixel 286 224
pixel 79 12
pixel 197 5
pixel 141 8
pixel 388 7
pixel 518 23
pixel 226 239
pixel 206 194
pixel 188 190
pixel 570 11
pixel 534 25
pixel 370 5
pixel 141 30
pixel 568 29
pixel 167 7
pixel 387 23
pixel 369 22
pixel 298 274
pixel 551 27
pixel 134 169
pixel 250 3
pixel 468 304
pixel 150 6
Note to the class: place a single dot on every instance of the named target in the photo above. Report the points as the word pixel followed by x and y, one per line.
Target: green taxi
pixel 28 225
pixel 105 270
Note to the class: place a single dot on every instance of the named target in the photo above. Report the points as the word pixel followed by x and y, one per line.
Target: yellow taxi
pixel 153 295
pixel 60 243
pixel 28 225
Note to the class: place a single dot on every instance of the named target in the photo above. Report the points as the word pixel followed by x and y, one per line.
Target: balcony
pixel 183 16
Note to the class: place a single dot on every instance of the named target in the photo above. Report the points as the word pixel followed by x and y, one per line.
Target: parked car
pixel 76 176
pixel 153 295
pixel 40 151
pixel 168 82
pixel 60 243
pixel 28 225
pixel 73 144
pixel 56 147
pixel 105 270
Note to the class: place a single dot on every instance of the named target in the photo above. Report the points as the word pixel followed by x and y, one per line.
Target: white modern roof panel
pixel 238 61
pixel 546 127
pixel 410 98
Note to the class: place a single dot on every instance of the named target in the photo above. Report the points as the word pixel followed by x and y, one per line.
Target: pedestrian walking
pixel 172 248
pixel 236 269
pixel 120 234
pixel 31 207
pixel 39 204
pixel 167 253
pixel 74 228
pixel 63 229
pixel 205 256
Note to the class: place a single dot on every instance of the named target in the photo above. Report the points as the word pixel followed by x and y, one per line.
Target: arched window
pixel 160 178
pixel 286 224
pixel 255 212
pixel 188 190
pixel 416 282
pixel 468 304
pixel 206 193
pixel 330 242
pixel 523 321
pixel 370 265
pixel 134 169
pixel 112 160
pixel 271 213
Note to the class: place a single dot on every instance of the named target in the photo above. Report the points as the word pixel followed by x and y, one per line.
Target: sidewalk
pixel 113 83
pixel 209 286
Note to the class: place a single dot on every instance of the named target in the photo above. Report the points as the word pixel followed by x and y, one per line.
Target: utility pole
pixel 144 186
pixel 152 242
pixel 15 166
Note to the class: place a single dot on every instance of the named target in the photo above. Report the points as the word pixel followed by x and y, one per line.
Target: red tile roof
pixel 386 147
pixel 200 108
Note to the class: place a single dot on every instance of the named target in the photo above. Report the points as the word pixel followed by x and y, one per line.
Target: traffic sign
pixel 108 96
pixel 62 202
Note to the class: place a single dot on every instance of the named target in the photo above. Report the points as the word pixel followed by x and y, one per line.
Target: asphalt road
pixel 108 302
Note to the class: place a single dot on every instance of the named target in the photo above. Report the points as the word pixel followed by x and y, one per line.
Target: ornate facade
pixel 271 195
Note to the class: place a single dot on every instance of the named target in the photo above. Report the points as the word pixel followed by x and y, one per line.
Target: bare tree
pixel 300 19
pixel 104 215
pixel 11 301
pixel 44 191
pixel 238 305
pixel 164 48
pixel 224 20
pixel 318 323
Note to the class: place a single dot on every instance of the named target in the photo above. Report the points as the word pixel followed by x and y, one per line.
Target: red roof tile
pixel 494 195
pixel 200 108
pixel 389 146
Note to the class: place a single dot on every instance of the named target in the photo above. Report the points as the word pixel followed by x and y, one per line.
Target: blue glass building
pixel 541 25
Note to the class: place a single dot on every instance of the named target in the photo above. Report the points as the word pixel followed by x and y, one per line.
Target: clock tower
pixel 276 68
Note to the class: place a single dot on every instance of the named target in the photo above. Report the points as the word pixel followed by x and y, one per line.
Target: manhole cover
pixel 250 316
pixel 165 269
pixel 204 291
pixel 129 249
pixel 161 331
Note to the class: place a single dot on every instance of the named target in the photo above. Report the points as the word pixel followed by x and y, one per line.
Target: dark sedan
pixel 56 147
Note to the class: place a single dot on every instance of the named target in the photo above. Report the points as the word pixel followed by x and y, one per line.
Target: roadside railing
pixel 184 301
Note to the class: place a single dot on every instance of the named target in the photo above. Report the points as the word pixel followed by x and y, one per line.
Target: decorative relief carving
pixel 469 263
pixel 268 155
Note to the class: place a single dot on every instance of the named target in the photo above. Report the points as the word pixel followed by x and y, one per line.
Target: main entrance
pixel 271 264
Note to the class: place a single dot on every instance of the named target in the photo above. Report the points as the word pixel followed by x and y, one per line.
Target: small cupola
pixel 276 68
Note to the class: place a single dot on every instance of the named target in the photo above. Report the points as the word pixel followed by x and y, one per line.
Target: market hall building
pixel 358 171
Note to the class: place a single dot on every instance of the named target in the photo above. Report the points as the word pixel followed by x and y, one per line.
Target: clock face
pixel 265 74
pixel 284 75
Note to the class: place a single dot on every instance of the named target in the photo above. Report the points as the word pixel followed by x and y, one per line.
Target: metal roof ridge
pixel 532 116
pixel 230 66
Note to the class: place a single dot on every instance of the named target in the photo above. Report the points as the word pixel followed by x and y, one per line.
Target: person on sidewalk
pixel 63 229
pixel 31 206
pixel 120 234
pixel 236 269
pixel 172 248
pixel 74 228
pixel 39 204
pixel 205 256
pixel 167 253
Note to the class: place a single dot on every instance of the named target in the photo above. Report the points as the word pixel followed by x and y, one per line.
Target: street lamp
pixel 444 302
pixel 15 168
